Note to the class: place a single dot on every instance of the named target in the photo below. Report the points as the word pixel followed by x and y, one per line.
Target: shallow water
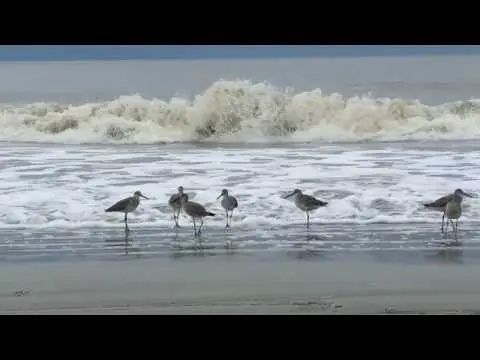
pixel 57 196
pixel 371 243
pixel 59 186
pixel 373 152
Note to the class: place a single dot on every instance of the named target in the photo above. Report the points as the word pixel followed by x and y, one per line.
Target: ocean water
pixel 375 137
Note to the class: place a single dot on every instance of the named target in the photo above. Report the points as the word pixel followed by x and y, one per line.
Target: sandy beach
pixel 202 285
pixel 375 138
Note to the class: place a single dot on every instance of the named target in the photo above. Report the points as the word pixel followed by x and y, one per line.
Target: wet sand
pixel 236 285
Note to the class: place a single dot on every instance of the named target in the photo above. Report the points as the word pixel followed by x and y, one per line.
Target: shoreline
pixel 238 286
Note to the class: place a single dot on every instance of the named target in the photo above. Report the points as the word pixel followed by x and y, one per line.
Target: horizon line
pixel 219 52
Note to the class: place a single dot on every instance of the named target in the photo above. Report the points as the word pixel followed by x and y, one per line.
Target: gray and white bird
pixel 195 211
pixel 441 203
pixel 127 205
pixel 229 203
pixel 176 204
pixel 453 210
pixel 306 203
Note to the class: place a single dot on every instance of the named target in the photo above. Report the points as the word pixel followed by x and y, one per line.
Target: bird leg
pixel 456 227
pixel 308 220
pixel 446 229
pixel 453 227
pixel 126 225
pixel 126 243
pixel 194 227
pixel 201 224
pixel 226 211
pixel 176 218
pixel 443 218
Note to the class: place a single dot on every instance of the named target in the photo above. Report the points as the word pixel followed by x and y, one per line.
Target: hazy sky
pixel 88 52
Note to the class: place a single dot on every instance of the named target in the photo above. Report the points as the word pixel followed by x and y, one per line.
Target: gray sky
pixel 92 52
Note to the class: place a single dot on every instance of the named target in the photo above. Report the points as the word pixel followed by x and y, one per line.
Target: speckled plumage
pixel 127 205
pixel 306 203
pixel 195 211
pixel 441 203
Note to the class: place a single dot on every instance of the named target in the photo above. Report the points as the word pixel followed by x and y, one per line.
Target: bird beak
pixel 219 196
pixel 287 196
pixel 144 196
pixel 469 195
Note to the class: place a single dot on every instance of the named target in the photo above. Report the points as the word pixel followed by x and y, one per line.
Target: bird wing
pixel 174 198
pixel 440 202
pixel 119 206
pixel 234 202
pixel 196 208
pixel 311 201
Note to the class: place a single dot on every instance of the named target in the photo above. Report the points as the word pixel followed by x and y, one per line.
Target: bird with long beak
pixel 441 203
pixel 229 203
pixel 306 203
pixel 127 205
pixel 195 211
pixel 453 210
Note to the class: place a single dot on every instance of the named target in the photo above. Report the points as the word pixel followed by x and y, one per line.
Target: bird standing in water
pixel 195 211
pixel 441 203
pixel 127 205
pixel 453 210
pixel 175 202
pixel 229 203
pixel 306 203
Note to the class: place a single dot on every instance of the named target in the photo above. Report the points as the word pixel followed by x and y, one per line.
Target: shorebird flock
pixel 450 205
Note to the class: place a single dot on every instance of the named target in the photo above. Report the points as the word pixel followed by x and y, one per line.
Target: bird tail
pixel 210 213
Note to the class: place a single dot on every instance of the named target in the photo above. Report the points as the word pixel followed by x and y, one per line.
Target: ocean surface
pixel 375 137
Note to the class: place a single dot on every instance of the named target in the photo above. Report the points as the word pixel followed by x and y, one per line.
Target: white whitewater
pixel 241 111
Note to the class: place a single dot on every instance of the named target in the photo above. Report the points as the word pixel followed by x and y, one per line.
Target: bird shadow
pixel 446 239
pixel 307 254
pixel 314 237
pixel 447 256
pixel 448 243
pixel 197 243
pixel 183 253
pixel 193 248
pixel 126 242
pixel 308 238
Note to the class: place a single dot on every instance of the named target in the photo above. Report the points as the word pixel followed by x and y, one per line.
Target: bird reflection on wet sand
pixel 313 237
pixel 392 243
pixel 448 256
pixel 307 254
pixel 126 242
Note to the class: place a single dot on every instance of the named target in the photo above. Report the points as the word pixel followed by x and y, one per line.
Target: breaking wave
pixel 240 111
